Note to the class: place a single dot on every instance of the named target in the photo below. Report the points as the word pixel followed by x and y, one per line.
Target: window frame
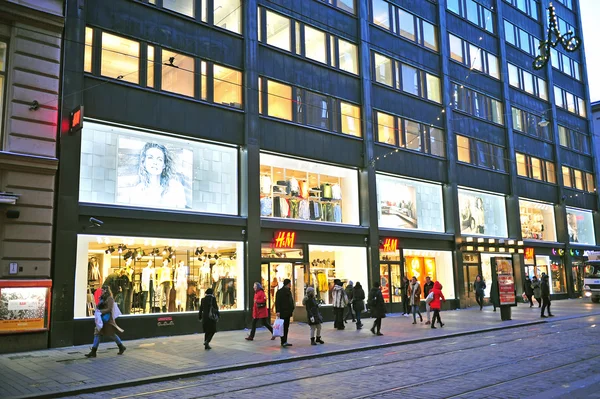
pixel 528 119
pixel 475 100
pixel 586 178
pixel 463 8
pixel 539 89
pixel 543 168
pixel 478 148
pixel 202 13
pixel 467 58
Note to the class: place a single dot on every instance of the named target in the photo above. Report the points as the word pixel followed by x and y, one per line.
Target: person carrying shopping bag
pixel 284 305
pixel 260 311
pixel 313 315
pixel 209 314
pixel 106 313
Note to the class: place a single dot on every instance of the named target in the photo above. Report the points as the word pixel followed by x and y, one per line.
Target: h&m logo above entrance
pixel 284 239
pixel 388 244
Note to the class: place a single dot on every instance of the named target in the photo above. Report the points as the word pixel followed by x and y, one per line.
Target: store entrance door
pixel 577 270
pixel 471 268
pixel 272 276
pixel 390 281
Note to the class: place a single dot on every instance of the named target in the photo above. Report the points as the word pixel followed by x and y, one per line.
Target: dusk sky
pixel 590 11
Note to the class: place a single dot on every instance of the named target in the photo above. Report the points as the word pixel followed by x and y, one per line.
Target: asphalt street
pixel 559 359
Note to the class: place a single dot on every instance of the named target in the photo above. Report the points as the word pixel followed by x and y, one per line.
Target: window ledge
pixel 483 168
pixel 477 118
pixel 309 127
pixel 391 146
pixel 524 134
pixel 536 180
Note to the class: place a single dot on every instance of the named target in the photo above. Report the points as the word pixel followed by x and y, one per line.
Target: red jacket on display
pixel 260 313
pixel 438 297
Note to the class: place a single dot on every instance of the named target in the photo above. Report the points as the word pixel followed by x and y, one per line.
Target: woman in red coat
pixel 436 303
pixel 260 311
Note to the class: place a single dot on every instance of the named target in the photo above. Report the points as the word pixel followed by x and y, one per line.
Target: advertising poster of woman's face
pixel 153 174
pixel 472 214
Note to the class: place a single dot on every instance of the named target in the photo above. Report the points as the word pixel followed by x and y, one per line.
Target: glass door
pixel 384 275
pixel 272 275
pixel 300 282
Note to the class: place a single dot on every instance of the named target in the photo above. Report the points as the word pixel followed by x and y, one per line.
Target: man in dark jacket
pixel 284 306
pixel 377 307
pixel 350 295
pixel 546 295
pixel 528 290
pixel 426 288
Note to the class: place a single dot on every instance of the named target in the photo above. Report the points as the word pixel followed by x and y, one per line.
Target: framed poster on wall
pixel 24 305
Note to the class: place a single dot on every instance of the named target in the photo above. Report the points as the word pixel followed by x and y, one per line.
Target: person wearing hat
pixel 340 301
pixel 350 296
pixel 284 306
pixel 377 307
pixel 313 315
pixel 209 323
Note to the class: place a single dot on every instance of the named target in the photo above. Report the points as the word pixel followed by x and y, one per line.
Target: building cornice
pixel 28 163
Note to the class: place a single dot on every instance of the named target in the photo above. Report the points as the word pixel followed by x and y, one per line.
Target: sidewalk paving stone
pixel 65 371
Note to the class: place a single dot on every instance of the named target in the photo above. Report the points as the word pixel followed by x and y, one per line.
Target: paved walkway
pixel 65 371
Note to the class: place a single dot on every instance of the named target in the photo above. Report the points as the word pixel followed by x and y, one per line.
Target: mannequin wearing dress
pixel 181 286
pixel 148 285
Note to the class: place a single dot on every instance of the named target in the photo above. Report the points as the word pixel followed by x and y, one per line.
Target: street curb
pixel 189 374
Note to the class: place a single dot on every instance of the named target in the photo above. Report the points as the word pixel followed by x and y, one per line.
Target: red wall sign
pixel 284 239
pixel 389 245
pixel 529 255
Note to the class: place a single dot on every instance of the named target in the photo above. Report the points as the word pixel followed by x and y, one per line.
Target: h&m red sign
pixel 284 239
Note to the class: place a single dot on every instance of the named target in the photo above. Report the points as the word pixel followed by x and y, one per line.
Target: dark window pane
pixel 317 110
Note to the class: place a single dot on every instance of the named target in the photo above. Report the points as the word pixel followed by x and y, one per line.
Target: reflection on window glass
pixel 87 58
pixel 410 81
pixel 383 70
pixel 347 5
pixel 348 60
pixel 315 46
pixel 350 119
pixel 228 15
pixel 278 31
pixel 429 36
pixel 464 149
pixel 476 54
pixel 412 135
pixel 185 7
pixel 456 50
pixel 494 69
pixel 437 142
pixel 180 77
pixel 120 58
pixel 407 24
pixel 316 110
pixel 385 129
pixel 528 82
pixel 279 100
pixel 433 88
pixel 550 172
pixel 381 13
pixel 513 75
pixel 227 86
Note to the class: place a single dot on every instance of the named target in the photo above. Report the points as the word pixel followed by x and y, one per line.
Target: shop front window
pixel 127 167
pixel 409 204
pixel 309 191
pixel 580 225
pixel 482 214
pixel 553 267
pixel 435 264
pixel 157 275
pixel 486 270
pixel 326 263
pixel 537 221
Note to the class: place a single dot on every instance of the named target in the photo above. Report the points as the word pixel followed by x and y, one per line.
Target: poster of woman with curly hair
pixel 153 174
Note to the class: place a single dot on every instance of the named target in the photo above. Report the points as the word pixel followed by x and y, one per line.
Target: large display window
pixel 304 190
pixel 128 167
pixel 554 268
pixel 482 214
pixel 157 275
pixel 435 264
pixel 409 204
pixel 486 270
pixel 580 225
pixel 537 221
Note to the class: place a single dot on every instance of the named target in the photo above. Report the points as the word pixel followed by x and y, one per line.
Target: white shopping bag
pixel 116 311
pixel 278 328
pixel 98 319
pixel 429 298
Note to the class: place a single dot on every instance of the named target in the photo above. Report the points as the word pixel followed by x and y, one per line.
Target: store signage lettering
pixel 575 252
pixel 558 252
pixel 529 254
pixel 284 239
pixel 23 304
pixel 165 322
pixel 389 245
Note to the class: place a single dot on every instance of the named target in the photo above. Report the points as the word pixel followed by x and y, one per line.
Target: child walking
pixel 314 316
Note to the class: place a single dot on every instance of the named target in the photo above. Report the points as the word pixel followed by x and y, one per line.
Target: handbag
pixel 261 304
pixel 213 313
pixel 278 328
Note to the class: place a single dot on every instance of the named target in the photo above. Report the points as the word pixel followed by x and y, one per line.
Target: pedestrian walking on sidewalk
pixel 284 306
pixel 260 311
pixel 426 289
pixel 545 288
pixel 479 288
pixel 436 303
pixel 340 301
pixel 537 290
pixel 358 302
pixel 313 315
pixel 528 290
pixel 377 307
pixel 414 293
pixel 106 313
pixel 404 293
pixel 209 314
pixel 495 295
pixel 349 294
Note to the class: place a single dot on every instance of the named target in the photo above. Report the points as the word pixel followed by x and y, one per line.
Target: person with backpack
pixel 260 311
pixel 358 302
pixel 209 314
pixel 349 294
pixel 340 301
pixel 479 288
pixel 377 307
pixel 107 312
pixel 313 315
pixel 436 303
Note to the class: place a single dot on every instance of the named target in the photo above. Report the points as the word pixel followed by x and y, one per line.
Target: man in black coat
pixel 284 306
pixel 545 295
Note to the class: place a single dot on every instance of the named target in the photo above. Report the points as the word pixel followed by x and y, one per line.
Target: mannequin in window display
pixel 159 183
pixel 163 292
pixel 478 215
pixel 148 285
pixel 181 286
